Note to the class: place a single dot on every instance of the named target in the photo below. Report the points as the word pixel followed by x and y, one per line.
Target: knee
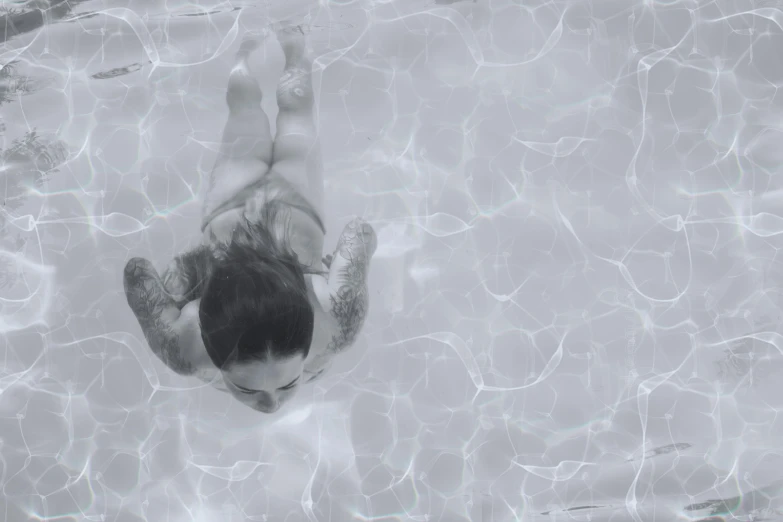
pixel 295 91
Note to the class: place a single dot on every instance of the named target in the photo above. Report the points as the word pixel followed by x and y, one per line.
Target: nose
pixel 268 403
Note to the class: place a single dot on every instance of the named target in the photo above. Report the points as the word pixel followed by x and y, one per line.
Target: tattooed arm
pixel 345 297
pixel 163 322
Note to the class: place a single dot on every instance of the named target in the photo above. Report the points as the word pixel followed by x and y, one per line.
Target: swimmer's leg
pixel 246 144
pixel 297 151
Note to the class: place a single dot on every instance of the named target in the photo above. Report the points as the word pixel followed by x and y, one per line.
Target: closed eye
pixel 244 390
pixel 284 388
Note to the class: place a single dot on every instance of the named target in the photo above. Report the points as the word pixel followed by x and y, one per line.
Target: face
pixel 265 386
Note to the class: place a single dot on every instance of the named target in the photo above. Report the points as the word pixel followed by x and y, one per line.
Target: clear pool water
pixel 575 301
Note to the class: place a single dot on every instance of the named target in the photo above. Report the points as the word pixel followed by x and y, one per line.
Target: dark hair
pixel 254 302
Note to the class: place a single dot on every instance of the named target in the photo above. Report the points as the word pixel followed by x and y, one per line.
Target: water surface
pixel 575 301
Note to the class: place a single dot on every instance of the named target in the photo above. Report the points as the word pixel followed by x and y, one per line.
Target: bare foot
pixel 293 41
pixel 250 43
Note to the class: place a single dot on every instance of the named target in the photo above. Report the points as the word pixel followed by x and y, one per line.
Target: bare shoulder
pixel 325 329
pixel 320 288
pixel 157 313
pixel 189 333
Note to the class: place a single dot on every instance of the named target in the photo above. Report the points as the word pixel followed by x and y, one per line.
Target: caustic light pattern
pixel 574 307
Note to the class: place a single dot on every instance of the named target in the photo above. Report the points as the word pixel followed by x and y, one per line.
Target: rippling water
pixel 575 304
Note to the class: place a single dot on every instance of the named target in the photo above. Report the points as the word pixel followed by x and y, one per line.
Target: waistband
pixel 299 202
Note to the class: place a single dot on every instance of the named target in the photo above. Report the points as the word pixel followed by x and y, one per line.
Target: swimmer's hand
pixel 166 326
pixel 345 296
pixel 184 276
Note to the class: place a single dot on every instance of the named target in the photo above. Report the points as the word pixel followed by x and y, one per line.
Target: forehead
pixel 266 376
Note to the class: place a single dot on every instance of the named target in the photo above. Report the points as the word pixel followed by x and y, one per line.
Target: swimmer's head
pixel 256 318
pixel 265 385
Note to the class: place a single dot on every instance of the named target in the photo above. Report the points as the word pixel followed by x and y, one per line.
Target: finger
pixel 174 280
pixel 364 234
pixel 355 248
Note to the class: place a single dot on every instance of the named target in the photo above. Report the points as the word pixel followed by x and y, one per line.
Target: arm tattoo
pixel 151 304
pixel 350 300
